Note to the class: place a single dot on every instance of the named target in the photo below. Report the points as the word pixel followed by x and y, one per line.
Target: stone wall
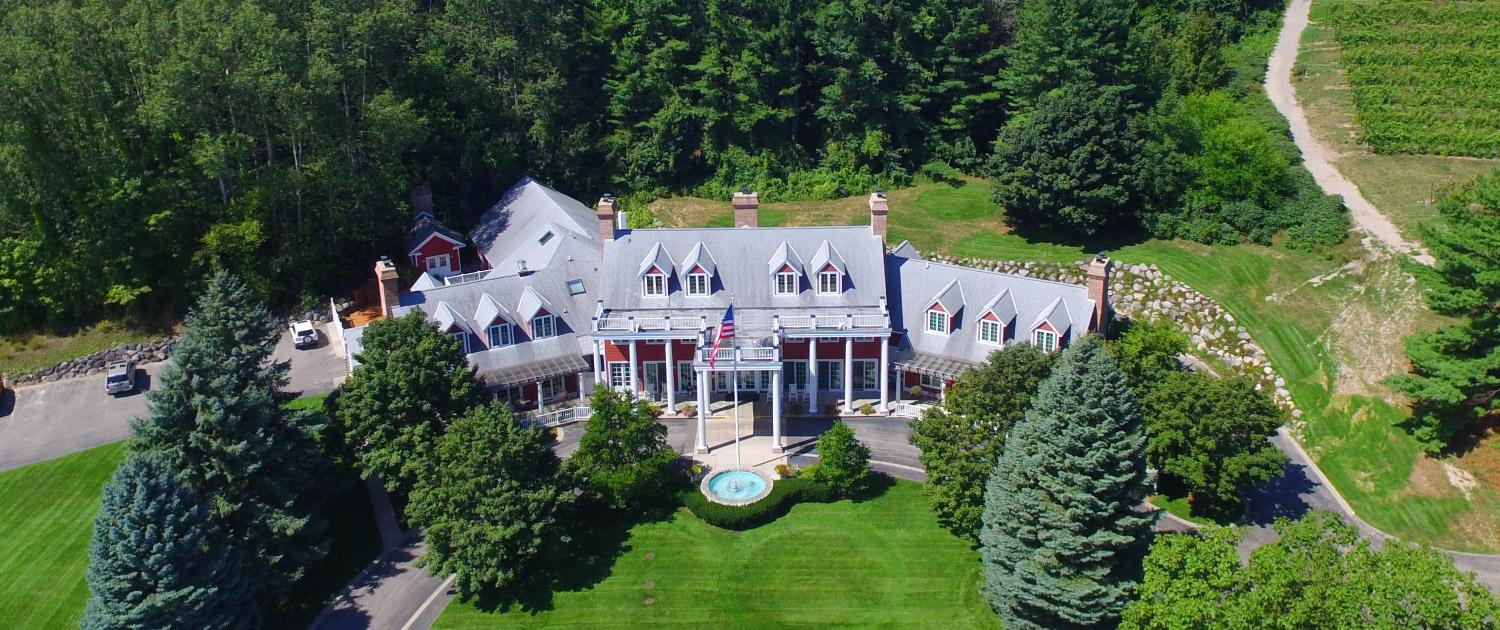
pixel 141 353
pixel 1144 292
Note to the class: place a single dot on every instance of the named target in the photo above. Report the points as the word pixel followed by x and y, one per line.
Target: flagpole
pixel 736 375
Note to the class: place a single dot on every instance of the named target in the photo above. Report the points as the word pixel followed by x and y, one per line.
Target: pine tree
pixel 623 457
pixel 492 503
pixel 158 559
pixel 1455 375
pixel 412 381
pixel 1064 42
pixel 1061 538
pixel 218 421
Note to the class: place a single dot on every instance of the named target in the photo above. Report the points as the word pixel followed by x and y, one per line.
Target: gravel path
pixel 1279 88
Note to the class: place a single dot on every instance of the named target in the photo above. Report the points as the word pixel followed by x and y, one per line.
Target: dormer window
pixel 1044 339
pixel 697 284
pixel 990 331
pixel 828 282
pixel 543 326
pixel 786 283
pixel 655 284
pixel 463 340
pixel 500 335
pixel 937 322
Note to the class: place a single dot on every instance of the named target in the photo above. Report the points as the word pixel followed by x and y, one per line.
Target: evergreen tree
pixel 843 460
pixel 1455 375
pixel 1065 42
pixel 962 438
pixel 1070 165
pixel 1060 527
pixel 492 503
pixel 217 419
pixel 158 558
pixel 623 457
pixel 413 380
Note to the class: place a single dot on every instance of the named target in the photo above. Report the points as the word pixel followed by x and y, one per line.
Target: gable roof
pixel 699 256
pixel 489 310
pixel 785 256
pixel 427 228
pixel 447 318
pixel 827 256
pixel 1055 315
pixel 513 228
pixel 950 297
pixel 1002 305
pixel 657 258
pixel 531 304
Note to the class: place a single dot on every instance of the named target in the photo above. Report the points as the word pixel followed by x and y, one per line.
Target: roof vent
pixel 521 267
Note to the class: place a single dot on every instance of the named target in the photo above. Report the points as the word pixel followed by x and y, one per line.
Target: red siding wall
pixel 437 246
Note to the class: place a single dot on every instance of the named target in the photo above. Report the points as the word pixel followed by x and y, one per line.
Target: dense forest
pixel 145 143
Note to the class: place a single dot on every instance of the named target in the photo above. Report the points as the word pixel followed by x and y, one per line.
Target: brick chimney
pixel 1098 285
pixel 390 286
pixel 746 208
pixel 605 211
pixel 878 210
pixel 421 202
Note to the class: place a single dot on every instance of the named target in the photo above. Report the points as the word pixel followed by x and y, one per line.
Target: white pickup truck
pixel 304 334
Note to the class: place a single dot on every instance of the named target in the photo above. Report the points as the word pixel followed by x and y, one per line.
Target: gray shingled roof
pixel 513 229
pixel 1031 301
pixel 827 255
pixel 699 256
pixel 425 228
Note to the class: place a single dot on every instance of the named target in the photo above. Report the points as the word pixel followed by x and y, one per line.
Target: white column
pixel 635 379
pixel 702 412
pixel 885 374
pixel 671 379
pixel 848 375
pixel 540 401
pixel 812 375
pixel 599 367
pixel 776 411
pixel 583 392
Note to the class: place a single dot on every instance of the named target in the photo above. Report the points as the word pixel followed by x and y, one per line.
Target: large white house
pixel 567 298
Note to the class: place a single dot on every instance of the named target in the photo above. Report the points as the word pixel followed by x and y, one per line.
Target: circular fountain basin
pixel 736 487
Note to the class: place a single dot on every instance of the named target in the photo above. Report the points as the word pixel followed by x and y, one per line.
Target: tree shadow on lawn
pixel 1111 239
pixel 875 486
pixel 599 536
pixel 1281 496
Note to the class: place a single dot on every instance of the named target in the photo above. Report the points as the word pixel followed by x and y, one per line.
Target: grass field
pixel 1402 186
pixel 882 563
pixel 49 511
pixel 26 353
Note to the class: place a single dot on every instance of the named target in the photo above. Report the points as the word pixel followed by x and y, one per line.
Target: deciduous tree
pixel 1209 434
pixel 492 503
pixel 158 558
pixel 413 379
pixel 962 438
pixel 1060 527
pixel 623 457
pixel 843 460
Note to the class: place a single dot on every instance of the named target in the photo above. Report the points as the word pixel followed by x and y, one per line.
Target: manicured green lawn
pixel 49 511
pixel 880 563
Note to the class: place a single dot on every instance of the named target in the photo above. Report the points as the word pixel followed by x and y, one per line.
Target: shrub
pixel 796 409
pixel 915 391
pixel 830 409
pixel 785 472
pixel 867 409
pixel 784 494
pixel 690 410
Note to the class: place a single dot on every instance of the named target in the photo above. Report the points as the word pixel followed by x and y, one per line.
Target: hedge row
pixel 784 494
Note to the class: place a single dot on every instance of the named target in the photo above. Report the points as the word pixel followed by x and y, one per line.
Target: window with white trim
pixel 1045 339
pixel 697 284
pixel 687 379
pixel 989 331
pixel 828 282
pixel 786 283
pixel 619 375
pixel 554 387
pixel 440 262
pixel 500 335
pixel 543 326
pixel 463 339
pixel 931 381
pixel 937 322
pixel 655 284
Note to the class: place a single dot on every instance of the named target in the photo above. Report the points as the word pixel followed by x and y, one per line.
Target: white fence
pixel 559 417
pixel 909 410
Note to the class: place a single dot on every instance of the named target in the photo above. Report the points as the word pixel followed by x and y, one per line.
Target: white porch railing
pixel 649 324
pixel 909 410
pixel 832 322
pixel 558 417
pixel 871 321
pixel 746 354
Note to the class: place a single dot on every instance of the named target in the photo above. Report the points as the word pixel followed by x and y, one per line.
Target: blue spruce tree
pixel 158 561
pixel 218 422
pixel 1061 541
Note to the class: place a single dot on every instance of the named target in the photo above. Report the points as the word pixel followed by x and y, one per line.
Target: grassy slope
pixel 49 511
pixel 25 353
pixel 1402 186
pixel 878 563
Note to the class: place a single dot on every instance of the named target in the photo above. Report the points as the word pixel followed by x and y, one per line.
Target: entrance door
pixel 830 375
pixel 656 379
pixel 440 265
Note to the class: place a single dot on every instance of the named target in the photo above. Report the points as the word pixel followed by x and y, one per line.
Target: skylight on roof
pixel 575 287
pixel 545 237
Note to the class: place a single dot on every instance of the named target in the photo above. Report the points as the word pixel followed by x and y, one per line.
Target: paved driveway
pixel 40 422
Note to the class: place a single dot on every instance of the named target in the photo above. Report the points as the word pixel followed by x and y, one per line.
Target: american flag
pixel 726 331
